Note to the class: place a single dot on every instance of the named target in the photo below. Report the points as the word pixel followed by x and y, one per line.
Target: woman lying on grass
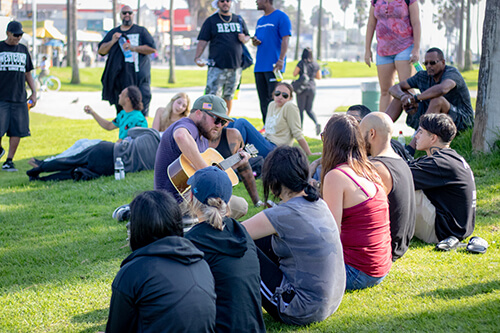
pixel 301 263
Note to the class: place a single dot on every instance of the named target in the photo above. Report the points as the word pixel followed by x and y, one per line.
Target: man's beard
pixel 206 133
pixel 127 22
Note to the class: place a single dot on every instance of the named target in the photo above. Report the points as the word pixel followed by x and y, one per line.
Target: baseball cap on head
pixel 211 182
pixel 15 27
pixel 213 104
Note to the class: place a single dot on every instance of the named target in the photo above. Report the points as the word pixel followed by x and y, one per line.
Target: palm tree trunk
pixel 75 73
pixel 171 77
pixel 297 43
pixel 320 21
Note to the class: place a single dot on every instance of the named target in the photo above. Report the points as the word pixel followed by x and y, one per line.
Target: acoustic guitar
pixel 181 169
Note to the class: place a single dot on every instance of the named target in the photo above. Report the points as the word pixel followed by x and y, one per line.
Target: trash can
pixel 370 95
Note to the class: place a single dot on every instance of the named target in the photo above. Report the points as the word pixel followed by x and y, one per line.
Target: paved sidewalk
pixel 331 93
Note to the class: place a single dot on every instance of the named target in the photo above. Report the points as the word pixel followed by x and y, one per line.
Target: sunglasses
pixel 221 1
pixel 127 12
pixel 284 94
pixel 17 35
pixel 217 120
pixel 431 63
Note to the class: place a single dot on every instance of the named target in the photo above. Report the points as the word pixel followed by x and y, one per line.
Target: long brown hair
pixel 343 143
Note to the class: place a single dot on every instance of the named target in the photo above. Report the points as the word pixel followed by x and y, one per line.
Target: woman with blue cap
pixel 229 251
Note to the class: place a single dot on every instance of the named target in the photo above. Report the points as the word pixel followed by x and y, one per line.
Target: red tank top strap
pixel 348 175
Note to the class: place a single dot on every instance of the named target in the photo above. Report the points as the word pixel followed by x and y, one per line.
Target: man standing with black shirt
pixel 15 70
pixel 226 32
pixel 122 71
pixel 446 204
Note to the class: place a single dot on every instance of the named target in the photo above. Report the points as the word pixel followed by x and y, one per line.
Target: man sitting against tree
pixel 446 191
pixel 443 90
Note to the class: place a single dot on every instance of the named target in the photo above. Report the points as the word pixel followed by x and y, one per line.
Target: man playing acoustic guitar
pixel 190 136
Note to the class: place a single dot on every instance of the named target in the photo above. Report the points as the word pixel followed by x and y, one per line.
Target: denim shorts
pixel 355 279
pixel 401 56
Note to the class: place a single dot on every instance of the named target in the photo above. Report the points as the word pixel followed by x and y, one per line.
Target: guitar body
pixel 181 169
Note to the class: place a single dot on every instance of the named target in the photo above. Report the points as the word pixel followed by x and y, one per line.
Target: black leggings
pixel 98 159
pixel 305 102
pixel 270 277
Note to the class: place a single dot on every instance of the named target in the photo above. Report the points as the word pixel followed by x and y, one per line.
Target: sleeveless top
pixel 223 147
pixel 365 234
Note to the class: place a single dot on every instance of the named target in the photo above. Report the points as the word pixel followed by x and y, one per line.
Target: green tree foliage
pixel 344 4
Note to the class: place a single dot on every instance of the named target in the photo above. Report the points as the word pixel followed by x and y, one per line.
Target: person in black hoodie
pixel 229 251
pixel 164 285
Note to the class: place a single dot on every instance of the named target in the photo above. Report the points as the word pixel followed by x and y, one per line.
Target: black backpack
pixel 407 2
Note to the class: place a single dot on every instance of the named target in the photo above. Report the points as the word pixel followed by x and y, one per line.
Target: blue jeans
pixel 355 279
pixel 252 136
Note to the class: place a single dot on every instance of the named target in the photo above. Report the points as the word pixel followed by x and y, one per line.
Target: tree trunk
pixel 69 50
pixel 460 48
pixel 320 21
pixel 114 7
pixel 75 73
pixel 297 43
pixel 487 123
pixel 138 12
pixel 468 51
pixel 171 77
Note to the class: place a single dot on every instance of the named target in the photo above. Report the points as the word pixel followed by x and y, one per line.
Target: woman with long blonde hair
pixel 353 191
pixel 177 108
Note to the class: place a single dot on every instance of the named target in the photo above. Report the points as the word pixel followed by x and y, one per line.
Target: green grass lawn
pixel 60 250
pixel 90 78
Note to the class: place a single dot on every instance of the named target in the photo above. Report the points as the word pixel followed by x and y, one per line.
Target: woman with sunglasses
pixel 282 124
pixel 353 191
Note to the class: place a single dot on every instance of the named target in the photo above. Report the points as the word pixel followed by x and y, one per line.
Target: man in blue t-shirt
pixel 443 90
pixel 226 32
pixel 272 34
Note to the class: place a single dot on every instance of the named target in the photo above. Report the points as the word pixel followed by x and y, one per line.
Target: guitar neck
pixel 230 161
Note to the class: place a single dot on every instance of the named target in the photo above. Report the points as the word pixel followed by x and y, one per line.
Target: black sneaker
pixel 2 152
pixel 9 166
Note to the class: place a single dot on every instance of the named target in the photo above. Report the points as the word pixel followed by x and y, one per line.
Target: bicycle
pixel 47 83
pixel 325 70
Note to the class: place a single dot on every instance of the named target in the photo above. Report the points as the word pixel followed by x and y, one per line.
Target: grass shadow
pixel 464 291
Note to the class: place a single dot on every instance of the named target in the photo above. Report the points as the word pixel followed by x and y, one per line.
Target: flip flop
pixel 448 244
pixel 477 245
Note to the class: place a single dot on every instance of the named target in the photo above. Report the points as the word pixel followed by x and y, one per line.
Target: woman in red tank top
pixel 352 189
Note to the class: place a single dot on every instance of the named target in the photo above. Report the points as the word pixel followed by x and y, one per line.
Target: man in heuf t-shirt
pixel 272 34
pixel 443 90
pixel 225 32
pixel 446 191
pixel 15 70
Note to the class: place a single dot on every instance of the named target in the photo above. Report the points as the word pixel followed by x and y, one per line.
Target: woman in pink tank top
pixel 352 189
pixel 397 24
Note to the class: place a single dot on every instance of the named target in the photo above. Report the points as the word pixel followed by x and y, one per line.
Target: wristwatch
pixel 415 97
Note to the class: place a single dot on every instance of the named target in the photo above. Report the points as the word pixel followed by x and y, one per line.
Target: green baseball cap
pixel 213 104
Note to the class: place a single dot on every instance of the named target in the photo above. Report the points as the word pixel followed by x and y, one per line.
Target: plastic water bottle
pixel 208 62
pixel 278 75
pixel 418 66
pixel 127 53
pixel 401 138
pixel 119 169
